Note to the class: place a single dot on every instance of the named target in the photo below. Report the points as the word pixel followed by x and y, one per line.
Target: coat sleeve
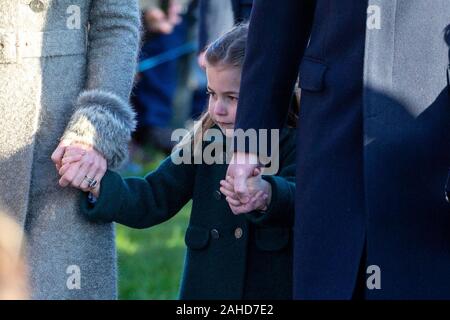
pixel 278 35
pixel 241 10
pixel 282 206
pixel 102 116
pixel 142 202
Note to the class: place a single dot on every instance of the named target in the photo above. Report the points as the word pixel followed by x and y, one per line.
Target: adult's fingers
pixel 241 168
pixel 76 149
pixel 81 174
pixel 96 172
pixel 259 201
pixel 70 174
pixel 62 170
pixel 69 159
pixel 58 154
pixel 240 187
pixel 91 173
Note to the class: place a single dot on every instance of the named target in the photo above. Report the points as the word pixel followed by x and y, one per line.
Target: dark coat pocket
pixel 272 239
pixel 312 74
pixel 196 238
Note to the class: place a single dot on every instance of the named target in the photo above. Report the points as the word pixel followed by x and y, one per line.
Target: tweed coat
pixel 67 68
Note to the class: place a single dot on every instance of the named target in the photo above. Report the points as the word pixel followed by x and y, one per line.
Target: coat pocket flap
pixel 312 73
pixel 196 237
pixel 272 239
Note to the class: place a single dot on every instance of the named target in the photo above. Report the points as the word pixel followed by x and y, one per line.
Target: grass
pixel 151 261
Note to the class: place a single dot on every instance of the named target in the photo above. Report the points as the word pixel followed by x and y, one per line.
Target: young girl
pixel 229 256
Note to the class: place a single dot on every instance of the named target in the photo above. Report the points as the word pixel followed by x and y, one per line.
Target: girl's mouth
pixel 224 124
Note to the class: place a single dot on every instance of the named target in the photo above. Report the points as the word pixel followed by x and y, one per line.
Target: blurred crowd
pixel 170 89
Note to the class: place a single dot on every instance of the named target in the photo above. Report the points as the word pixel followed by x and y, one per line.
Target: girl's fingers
pixel 226 185
pixel 259 195
pixel 257 171
pixel 260 200
pixel 233 202
pixel 235 210
pixel 228 193
pixel 230 180
pixel 257 202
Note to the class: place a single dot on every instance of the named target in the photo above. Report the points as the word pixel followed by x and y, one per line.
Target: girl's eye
pixel 211 94
pixel 232 98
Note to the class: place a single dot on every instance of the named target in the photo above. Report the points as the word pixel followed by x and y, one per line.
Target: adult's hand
pixel 80 163
pixel 161 22
pixel 260 194
pixel 59 153
pixel 242 167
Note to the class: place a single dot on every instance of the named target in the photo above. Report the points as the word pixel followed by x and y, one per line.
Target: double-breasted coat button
pixel 214 233
pixel 37 5
pixel 217 195
pixel 238 233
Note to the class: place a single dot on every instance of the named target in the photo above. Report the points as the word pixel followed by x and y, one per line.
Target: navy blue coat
pixel 373 139
pixel 241 9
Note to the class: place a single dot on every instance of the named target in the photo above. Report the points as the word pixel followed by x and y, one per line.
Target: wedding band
pixel 91 182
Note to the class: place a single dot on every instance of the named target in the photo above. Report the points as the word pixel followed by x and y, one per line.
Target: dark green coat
pixel 246 256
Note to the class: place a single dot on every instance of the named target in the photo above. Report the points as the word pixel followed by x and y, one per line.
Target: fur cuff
pixel 105 121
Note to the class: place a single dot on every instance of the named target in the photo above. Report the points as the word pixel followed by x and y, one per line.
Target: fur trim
pixel 105 121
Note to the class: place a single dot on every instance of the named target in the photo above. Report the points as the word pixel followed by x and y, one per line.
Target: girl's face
pixel 223 89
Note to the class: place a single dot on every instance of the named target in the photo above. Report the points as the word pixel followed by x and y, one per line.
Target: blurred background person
pixel 13 275
pixel 163 31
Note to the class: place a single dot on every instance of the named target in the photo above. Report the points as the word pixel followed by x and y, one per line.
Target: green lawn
pixel 151 260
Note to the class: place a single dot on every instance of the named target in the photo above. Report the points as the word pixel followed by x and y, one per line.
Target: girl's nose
pixel 220 109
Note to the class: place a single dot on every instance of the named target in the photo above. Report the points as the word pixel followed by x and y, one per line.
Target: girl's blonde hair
pixel 227 50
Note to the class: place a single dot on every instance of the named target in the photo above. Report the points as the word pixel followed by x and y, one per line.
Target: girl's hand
pixel 260 194
pixel 82 166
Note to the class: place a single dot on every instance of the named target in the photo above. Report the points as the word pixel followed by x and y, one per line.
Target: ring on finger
pixel 92 183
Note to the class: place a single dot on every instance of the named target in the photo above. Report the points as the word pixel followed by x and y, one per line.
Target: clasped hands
pixel 244 188
pixel 79 165
pixel 82 167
